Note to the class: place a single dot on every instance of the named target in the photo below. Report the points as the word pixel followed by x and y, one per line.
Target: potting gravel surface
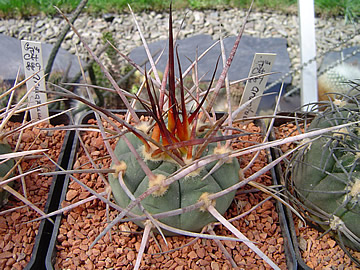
pixel 317 252
pixel 81 225
pixel 17 239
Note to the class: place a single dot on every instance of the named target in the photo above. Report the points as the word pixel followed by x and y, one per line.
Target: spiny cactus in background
pixel 5 168
pixel 336 80
pixel 326 171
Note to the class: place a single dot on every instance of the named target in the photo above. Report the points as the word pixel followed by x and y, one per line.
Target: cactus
pixel 326 172
pixel 173 172
pixel 335 78
pixel 181 129
pixel 4 169
pixel 187 191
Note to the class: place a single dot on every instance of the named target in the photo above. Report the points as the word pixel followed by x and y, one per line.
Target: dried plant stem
pixel 12 92
pixel 242 237
pixel 62 35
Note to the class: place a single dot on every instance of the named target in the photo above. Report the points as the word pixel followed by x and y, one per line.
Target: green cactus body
pixel 4 169
pixel 182 193
pixel 326 173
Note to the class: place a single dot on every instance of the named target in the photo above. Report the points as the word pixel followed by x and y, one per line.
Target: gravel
pixel 329 31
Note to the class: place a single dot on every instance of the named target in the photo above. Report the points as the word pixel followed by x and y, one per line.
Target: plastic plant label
pixel 262 63
pixel 33 63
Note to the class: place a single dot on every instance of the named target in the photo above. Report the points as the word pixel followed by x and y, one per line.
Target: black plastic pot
pixel 292 249
pixel 292 252
pixel 43 237
pixel 292 260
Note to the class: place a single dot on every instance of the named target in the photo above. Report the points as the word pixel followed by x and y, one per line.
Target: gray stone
pixel 11 58
pixel 331 57
pixel 242 61
pixel 240 66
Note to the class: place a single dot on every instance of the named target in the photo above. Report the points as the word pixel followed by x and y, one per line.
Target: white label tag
pixel 262 64
pixel 33 62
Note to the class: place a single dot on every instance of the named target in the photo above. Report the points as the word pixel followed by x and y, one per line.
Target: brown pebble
pixel 131 255
pixel 200 252
pixel 192 255
pixel 71 194
pixel 79 235
pixel 331 243
pixel 84 247
pixel 214 266
pixel 100 264
pixel 230 244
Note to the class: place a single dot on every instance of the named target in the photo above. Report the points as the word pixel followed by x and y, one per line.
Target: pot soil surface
pixel 81 225
pixel 17 238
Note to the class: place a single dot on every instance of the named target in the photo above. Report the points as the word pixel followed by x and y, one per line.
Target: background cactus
pixel 5 167
pixel 326 172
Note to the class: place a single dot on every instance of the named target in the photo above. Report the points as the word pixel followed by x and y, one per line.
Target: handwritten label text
pixel 33 63
pixel 262 64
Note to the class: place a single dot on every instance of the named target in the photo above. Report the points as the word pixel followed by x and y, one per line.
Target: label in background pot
pixel 262 64
pixel 33 64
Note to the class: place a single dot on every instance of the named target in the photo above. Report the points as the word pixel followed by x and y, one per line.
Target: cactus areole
pixel 326 173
